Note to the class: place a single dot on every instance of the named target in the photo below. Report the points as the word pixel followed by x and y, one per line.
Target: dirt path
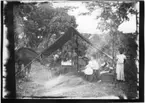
pixel 43 83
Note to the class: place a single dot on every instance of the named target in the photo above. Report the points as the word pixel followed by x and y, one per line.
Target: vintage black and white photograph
pixel 76 50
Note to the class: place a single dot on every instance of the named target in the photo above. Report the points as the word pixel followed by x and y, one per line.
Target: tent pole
pixel 113 53
pixel 102 52
pixel 77 50
pixel 72 49
pixel 87 41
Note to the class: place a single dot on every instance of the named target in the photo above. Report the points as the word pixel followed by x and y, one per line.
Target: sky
pixel 88 23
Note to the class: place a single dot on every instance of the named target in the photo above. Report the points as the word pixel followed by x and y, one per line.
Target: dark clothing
pixel 89 78
pixel 96 74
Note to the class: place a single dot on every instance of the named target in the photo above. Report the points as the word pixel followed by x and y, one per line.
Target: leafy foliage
pixel 112 15
pixel 42 25
pixel 41 21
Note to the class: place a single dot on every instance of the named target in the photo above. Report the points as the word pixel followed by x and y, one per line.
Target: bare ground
pixel 42 83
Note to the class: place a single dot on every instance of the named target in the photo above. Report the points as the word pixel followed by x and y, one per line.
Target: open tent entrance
pixel 75 59
pixel 68 42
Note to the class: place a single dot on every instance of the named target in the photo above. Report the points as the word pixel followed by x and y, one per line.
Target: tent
pixel 58 43
pixel 71 32
pixel 65 38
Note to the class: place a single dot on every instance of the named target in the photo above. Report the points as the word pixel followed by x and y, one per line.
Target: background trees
pixel 39 22
pixel 38 25
pixel 112 16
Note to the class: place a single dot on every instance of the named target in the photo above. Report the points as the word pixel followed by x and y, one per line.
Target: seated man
pixel 92 70
pixel 88 74
pixel 94 65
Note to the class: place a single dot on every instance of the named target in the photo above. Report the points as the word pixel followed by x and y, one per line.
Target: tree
pixel 41 25
pixel 112 15
pixel 40 21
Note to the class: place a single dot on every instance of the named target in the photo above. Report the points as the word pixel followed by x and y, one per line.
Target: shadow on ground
pixel 42 83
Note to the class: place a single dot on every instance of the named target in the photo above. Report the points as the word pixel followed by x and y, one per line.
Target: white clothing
pixel 69 62
pixel 120 67
pixel 121 58
pixel 55 56
pixel 88 71
pixel 93 64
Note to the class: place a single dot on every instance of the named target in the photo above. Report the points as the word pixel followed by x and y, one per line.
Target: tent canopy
pixel 65 38
pixel 62 40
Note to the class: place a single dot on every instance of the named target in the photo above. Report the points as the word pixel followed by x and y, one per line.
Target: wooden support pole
pixel 77 51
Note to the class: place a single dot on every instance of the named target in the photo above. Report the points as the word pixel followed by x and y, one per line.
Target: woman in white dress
pixel 120 66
